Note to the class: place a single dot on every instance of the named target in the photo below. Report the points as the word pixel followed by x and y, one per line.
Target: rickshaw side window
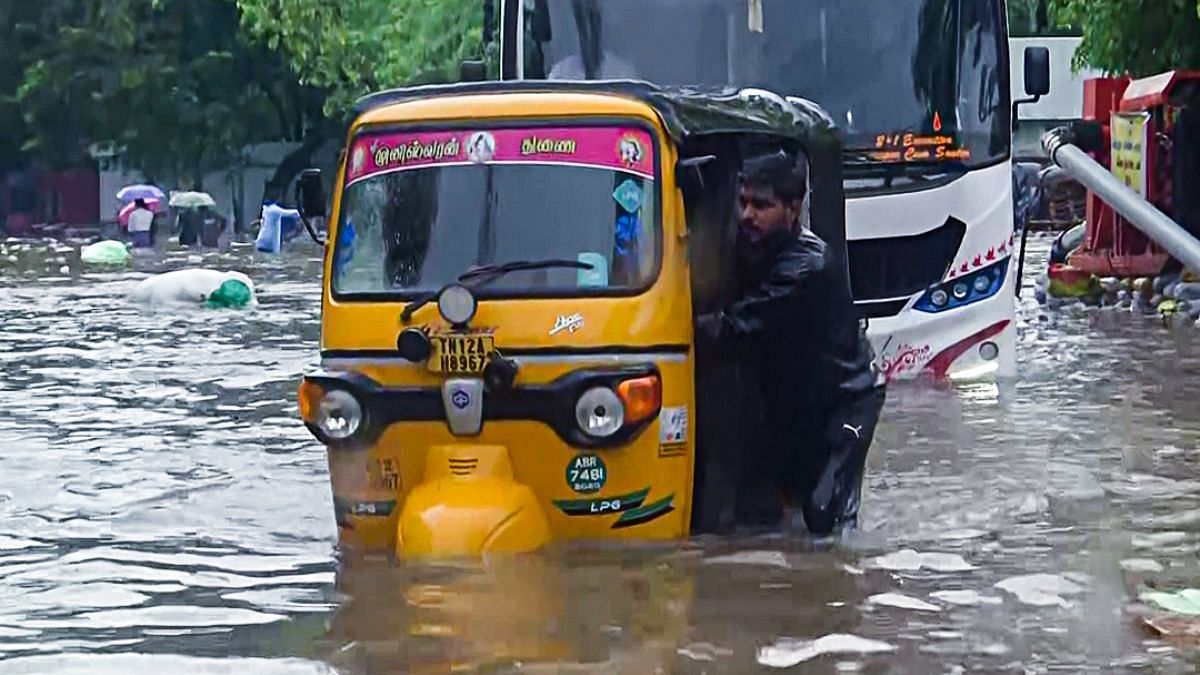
pixel 411 230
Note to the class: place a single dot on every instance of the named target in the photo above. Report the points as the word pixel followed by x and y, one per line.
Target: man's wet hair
pixel 781 171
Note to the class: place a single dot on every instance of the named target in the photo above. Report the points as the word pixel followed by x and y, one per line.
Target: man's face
pixel 763 212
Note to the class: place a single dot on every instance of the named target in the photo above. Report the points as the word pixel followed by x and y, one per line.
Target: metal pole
pixel 1139 212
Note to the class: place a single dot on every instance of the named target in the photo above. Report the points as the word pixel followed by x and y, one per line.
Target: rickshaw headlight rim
pixel 457 304
pixel 599 412
pixel 339 415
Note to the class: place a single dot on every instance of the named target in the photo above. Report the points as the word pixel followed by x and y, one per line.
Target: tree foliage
pixel 353 47
pixel 1033 18
pixel 1135 37
pixel 169 81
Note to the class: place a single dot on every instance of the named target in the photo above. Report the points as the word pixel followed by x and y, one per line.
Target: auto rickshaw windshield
pixel 421 208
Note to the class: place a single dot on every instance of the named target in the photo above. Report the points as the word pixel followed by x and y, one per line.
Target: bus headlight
pixel 968 289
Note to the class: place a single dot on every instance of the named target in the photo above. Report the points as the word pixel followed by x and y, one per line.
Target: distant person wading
pixel 141 225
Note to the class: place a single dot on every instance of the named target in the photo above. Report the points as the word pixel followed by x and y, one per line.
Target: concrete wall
pixel 1065 100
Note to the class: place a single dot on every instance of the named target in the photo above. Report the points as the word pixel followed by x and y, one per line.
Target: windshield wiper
pixel 494 272
pixel 489 273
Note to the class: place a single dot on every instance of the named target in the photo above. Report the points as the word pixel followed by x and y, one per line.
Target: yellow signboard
pixel 1129 145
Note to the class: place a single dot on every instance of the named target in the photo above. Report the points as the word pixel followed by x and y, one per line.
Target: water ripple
pixel 161 510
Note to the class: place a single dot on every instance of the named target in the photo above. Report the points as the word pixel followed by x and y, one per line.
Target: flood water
pixel 162 510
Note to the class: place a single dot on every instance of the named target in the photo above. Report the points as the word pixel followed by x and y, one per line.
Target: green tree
pixel 1033 18
pixel 354 47
pixel 171 82
pixel 17 40
pixel 1135 37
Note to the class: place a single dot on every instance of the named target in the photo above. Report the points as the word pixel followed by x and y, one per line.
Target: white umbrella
pixel 191 200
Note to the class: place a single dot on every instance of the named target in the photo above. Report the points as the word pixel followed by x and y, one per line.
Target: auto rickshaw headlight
pixel 457 304
pixel 599 412
pixel 338 414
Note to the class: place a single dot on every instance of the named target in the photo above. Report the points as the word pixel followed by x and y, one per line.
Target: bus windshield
pixel 909 81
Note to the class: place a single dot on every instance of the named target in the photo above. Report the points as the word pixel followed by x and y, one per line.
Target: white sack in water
pixel 192 287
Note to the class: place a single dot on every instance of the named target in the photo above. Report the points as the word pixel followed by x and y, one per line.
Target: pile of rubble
pixel 1174 296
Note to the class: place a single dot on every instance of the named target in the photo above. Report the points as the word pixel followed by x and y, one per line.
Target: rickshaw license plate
pixel 460 353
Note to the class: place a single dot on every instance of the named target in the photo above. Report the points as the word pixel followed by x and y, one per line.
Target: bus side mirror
pixel 1037 79
pixel 1037 71
pixel 312 194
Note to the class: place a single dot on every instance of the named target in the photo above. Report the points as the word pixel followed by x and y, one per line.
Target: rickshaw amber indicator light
pixel 642 398
pixel 310 397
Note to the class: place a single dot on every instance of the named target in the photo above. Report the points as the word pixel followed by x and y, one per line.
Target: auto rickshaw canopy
pixel 693 118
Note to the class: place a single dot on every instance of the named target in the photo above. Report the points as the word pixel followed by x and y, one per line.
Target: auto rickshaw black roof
pixel 686 112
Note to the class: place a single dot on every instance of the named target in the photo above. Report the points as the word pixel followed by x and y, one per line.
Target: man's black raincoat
pixel 795 330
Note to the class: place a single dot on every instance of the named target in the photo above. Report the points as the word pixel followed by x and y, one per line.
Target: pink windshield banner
pixel 621 148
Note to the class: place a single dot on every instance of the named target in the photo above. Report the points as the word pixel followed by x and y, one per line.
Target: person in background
pixel 794 326
pixel 141 225
pixel 212 224
pixel 190 222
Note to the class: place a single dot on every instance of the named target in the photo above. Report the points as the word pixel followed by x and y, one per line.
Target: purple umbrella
pixel 131 193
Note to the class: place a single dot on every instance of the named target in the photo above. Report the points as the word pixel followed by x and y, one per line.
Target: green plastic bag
pixel 107 252
pixel 231 294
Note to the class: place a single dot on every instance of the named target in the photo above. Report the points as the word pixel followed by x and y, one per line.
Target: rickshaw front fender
pixel 469 504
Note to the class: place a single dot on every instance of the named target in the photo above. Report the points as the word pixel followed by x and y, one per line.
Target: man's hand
pixel 708 328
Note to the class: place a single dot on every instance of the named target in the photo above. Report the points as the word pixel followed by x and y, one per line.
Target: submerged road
pixel 162 509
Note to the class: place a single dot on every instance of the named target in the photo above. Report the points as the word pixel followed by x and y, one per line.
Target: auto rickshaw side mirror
pixel 312 200
pixel 689 173
pixel 312 194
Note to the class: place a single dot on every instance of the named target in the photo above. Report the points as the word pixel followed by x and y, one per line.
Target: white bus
pixel 920 89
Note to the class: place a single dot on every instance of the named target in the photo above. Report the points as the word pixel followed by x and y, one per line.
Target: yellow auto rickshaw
pixel 511 275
